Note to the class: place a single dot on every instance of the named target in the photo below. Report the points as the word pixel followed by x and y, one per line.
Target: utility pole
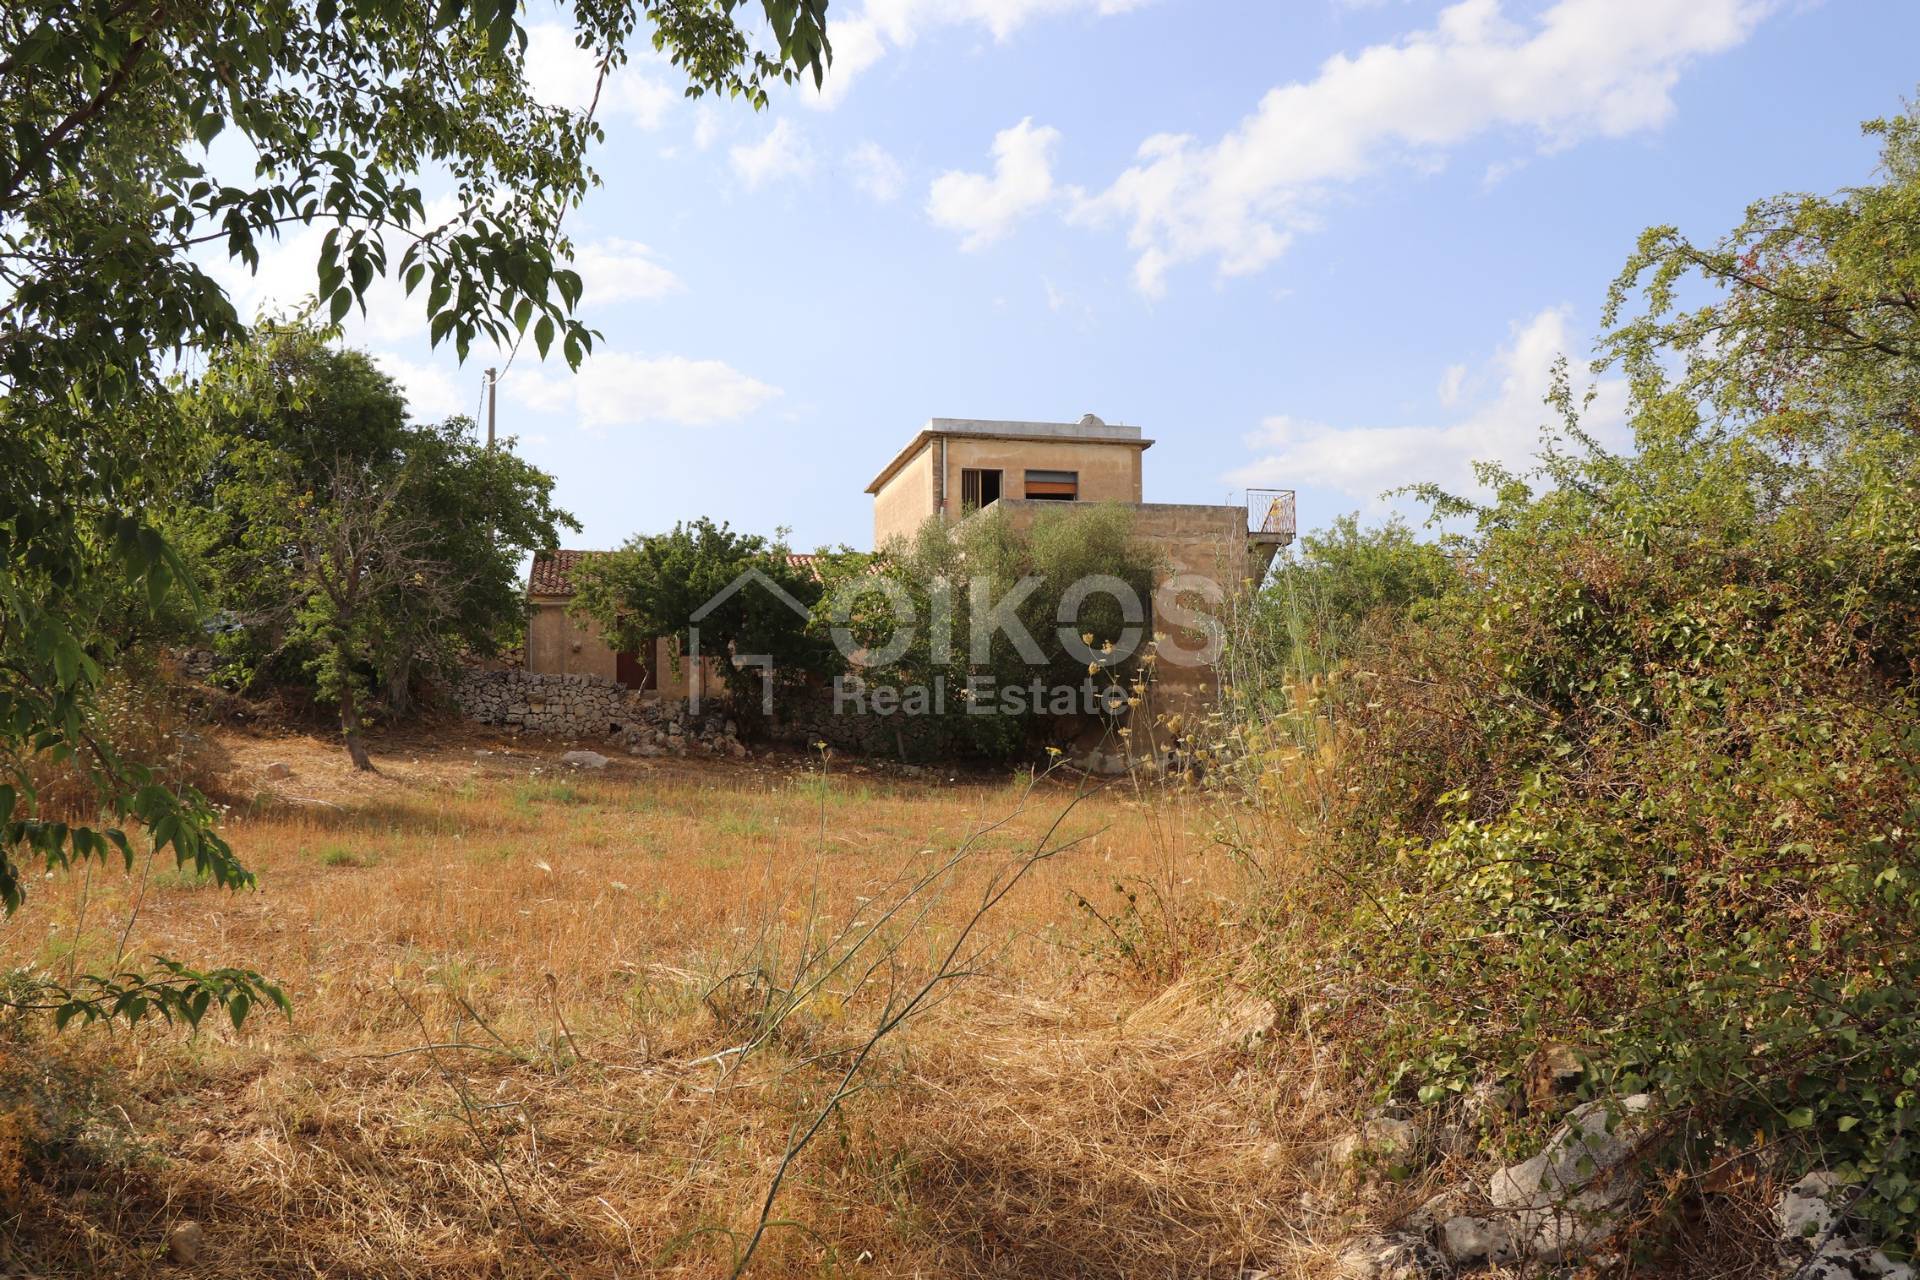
pixel 493 403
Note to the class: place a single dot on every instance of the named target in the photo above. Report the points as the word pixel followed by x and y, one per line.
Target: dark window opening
pixel 1054 486
pixel 978 488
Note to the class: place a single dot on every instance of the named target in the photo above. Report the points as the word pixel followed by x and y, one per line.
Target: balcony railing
pixel 1271 512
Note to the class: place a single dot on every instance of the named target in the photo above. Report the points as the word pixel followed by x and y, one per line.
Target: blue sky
pixel 1318 244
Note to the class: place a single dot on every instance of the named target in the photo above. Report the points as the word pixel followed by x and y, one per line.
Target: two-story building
pixel 957 466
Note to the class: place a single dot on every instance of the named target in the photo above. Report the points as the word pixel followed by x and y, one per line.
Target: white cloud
pixel 614 389
pixel 1583 68
pixel 1364 462
pixel 562 74
pixel 706 126
pixel 876 172
pixel 982 208
pixel 431 391
pixel 619 270
pixel 1450 383
pixel 864 39
pixel 783 153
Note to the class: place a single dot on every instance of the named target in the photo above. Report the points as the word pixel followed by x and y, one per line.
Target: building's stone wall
pixel 1210 542
pixel 806 716
pixel 588 706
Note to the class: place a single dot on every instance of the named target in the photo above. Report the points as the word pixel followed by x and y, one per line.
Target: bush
pixel 1311 612
pixel 958 571
pixel 1646 778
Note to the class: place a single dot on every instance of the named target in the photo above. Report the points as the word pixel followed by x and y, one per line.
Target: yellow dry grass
pixel 515 990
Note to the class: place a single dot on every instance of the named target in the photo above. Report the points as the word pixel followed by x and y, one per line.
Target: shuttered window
pixel 1058 486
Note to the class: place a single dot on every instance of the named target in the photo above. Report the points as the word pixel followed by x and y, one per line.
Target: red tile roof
pixel 552 572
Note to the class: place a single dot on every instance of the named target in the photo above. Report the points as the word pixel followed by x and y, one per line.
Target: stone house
pixel 955 467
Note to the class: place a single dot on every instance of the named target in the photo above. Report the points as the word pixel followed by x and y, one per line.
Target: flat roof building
pixel 954 466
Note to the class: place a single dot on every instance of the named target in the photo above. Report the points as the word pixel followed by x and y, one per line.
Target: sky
pixel 1327 245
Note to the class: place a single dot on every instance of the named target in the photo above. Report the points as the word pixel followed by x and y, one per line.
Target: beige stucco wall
pixel 906 500
pixel 560 644
pixel 1109 471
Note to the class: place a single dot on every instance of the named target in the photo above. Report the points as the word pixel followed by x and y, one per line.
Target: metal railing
pixel 1271 511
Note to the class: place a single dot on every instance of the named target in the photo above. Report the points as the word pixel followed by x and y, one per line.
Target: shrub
pixel 960 572
pixel 1310 613
pixel 1646 777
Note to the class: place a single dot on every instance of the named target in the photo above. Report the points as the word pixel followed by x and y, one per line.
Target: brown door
pixel 631 672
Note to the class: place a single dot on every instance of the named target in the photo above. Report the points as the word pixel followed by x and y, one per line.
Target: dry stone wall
pixel 586 706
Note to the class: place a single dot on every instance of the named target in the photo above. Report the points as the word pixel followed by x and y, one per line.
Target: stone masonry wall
pixel 589 706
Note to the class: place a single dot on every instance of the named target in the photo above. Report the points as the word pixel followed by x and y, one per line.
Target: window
pixel 1054 486
pixel 978 488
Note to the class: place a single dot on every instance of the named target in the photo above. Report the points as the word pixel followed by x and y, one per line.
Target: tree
pixel 1309 614
pixel 106 198
pixel 356 547
pixel 954 576
pixel 658 585
pixel 1643 779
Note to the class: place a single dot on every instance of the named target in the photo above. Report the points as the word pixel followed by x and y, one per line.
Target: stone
pixel 1813 1241
pixel 1438 1208
pixel 1802 1211
pixel 279 769
pixel 1568 1198
pixel 183 1243
pixel 1382 1138
pixel 1555 1069
pixel 1466 1240
pixel 585 760
pixel 1395 1257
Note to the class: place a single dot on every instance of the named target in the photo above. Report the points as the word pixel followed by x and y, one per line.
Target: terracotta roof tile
pixel 552 572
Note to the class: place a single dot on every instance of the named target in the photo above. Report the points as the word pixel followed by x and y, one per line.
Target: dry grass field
pixel 573 1023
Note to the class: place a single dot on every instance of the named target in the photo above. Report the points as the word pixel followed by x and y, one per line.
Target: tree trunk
pixel 350 730
pixel 400 687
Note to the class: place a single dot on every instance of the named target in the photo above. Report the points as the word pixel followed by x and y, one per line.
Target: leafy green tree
pixel 954 581
pixel 108 208
pixel 659 585
pixel 356 547
pixel 1311 610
